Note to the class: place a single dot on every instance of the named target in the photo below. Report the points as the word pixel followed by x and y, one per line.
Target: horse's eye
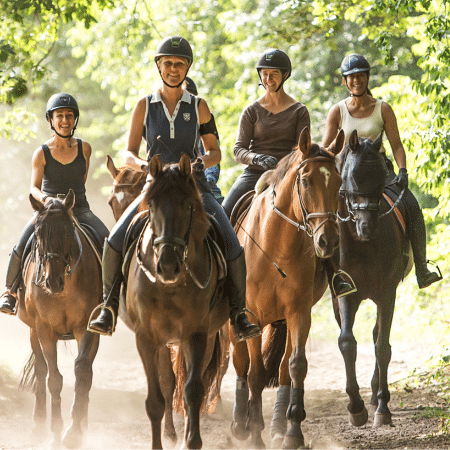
pixel 305 182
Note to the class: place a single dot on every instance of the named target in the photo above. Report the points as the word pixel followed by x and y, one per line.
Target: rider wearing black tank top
pixel 55 170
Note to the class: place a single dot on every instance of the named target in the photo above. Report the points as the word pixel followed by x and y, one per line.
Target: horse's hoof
pixel 277 441
pixel 257 442
pixel 358 419
pixel 171 435
pixel 38 434
pixel 380 419
pixel 293 442
pixel 72 438
pixel 239 431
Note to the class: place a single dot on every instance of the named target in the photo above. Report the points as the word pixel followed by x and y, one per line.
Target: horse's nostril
pixel 323 242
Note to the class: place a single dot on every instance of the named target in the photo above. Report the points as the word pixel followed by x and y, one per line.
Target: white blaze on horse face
pixel 120 196
pixel 327 174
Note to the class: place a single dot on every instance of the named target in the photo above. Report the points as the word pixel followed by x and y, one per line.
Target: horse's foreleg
pixel 256 383
pixel 55 380
pixel 298 328
pixel 347 345
pixel 87 349
pixel 40 407
pixel 383 354
pixel 375 382
pixel 240 412
pixel 278 425
pixel 167 383
pixel 154 403
pixel 194 391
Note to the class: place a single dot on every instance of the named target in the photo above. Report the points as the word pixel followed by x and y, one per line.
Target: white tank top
pixel 367 127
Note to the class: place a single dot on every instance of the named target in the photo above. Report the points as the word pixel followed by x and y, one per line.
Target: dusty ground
pixel 118 419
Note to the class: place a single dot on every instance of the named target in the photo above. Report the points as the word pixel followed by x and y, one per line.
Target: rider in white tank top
pixel 367 127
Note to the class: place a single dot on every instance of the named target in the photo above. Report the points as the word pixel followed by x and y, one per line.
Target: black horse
pixel 376 253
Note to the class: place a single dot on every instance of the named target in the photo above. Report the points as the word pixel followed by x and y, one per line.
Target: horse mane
pixel 288 161
pixel 52 225
pixel 171 182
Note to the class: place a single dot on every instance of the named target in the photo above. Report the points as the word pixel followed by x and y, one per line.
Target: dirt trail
pixel 118 420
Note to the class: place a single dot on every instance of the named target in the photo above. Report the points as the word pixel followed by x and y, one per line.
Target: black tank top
pixel 59 178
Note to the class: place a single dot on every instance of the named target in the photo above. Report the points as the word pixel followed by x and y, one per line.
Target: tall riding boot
pixel 13 277
pixel 417 235
pixel 338 285
pixel 242 328
pixel 112 280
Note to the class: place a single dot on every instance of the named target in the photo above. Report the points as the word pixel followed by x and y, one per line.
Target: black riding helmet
pixel 59 101
pixel 174 46
pixel 354 63
pixel 275 59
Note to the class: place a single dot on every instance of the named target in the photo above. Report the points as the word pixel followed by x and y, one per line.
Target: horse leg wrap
pixel 279 420
pixel 240 411
pixel 296 411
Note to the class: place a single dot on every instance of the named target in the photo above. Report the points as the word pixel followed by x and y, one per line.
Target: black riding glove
pixel 401 180
pixel 267 162
pixel 198 166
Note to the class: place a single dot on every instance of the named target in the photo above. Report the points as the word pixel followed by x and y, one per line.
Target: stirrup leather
pixel 103 333
pixel 348 278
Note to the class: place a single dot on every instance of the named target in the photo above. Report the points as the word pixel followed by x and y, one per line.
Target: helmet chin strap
pixel 62 136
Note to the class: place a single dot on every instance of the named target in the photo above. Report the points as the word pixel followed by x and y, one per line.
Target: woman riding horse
pixel 62 163
pixel 269 128
pixel 369 117
pixel 172 121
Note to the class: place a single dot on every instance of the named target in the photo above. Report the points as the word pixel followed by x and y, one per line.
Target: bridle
pixel 180 246
pixel 50 255
pixel 306 226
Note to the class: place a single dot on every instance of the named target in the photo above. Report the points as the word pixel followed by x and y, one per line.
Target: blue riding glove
pixel 267 162
pixel 401 180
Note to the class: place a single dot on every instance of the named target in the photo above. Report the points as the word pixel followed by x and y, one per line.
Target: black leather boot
pixel 339 287
pixel 112 279
pixel 242 328
pixel 418 238
pixel 8 304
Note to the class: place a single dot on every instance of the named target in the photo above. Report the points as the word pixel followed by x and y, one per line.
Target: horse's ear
pixel 304 141
pixel 69 200
pixel 36 204
pixel 185 165
pixel 338 144
pixel 155 166
pixel 353 142
pixel 378 142
pixel 111 167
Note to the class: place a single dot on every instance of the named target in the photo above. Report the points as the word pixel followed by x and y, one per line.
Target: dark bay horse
pixel 172 279
pixel 376 253
pixel 293 224
pixel 62 285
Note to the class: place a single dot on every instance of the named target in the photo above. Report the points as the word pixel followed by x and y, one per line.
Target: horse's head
pixel 127 185
pixel 177 216
pixel 363 179
pixel 316 191
pixel 56 243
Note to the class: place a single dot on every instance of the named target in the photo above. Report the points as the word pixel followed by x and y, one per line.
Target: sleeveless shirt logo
pixel 187 117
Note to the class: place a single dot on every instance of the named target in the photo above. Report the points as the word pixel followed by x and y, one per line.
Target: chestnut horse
pixel 377 255
pixel 290 226
pixel 62 285
pixel 172 279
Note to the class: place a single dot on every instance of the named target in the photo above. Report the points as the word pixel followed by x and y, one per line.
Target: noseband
pixel 306 227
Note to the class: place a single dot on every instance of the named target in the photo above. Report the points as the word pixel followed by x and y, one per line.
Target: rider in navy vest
pixel 62 163
pixel 172 122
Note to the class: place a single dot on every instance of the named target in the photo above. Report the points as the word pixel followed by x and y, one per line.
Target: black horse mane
pixel 286 163
pixel 52 226
pixel 171 182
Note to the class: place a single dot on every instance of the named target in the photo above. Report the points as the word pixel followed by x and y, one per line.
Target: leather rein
pixel 306 227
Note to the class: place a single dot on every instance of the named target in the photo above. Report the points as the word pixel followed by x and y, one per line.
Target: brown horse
pixel 292 223
pixel 173 278
pixel 377 255
pixel 62 285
